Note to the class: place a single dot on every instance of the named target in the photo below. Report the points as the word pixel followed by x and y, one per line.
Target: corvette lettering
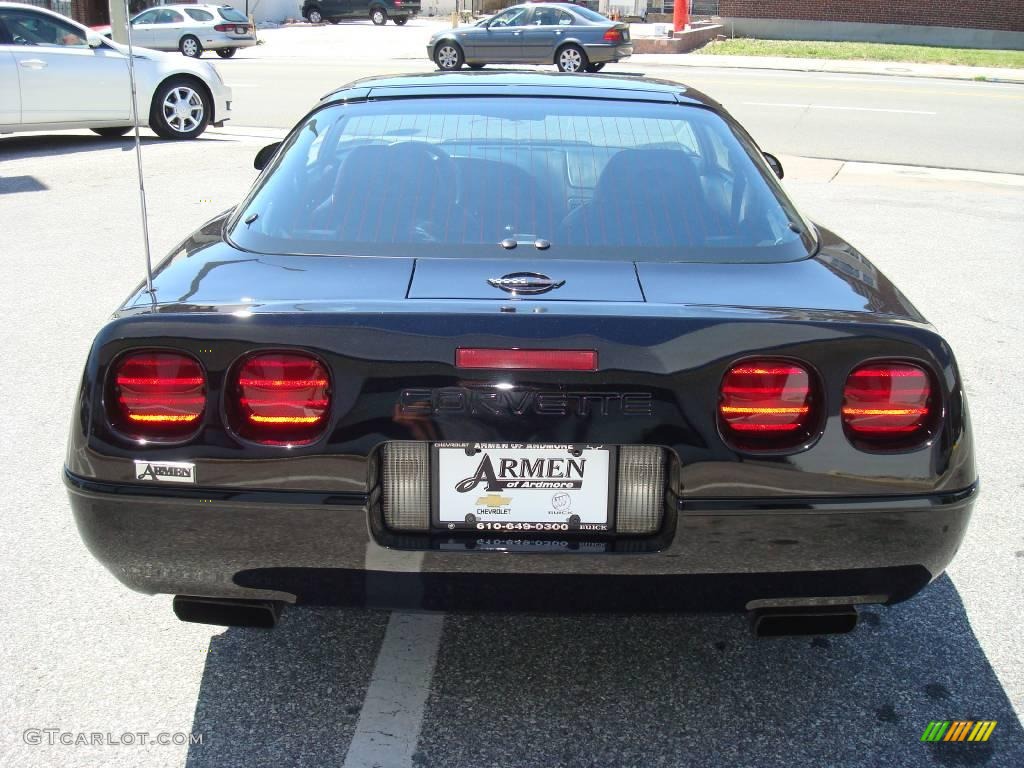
pixel 512 403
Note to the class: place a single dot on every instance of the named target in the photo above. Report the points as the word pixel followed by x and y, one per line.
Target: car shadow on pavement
pixel 12 185
pixel 16 147
pixel 590 690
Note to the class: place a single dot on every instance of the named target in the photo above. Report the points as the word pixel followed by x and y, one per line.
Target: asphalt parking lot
pixel 359 688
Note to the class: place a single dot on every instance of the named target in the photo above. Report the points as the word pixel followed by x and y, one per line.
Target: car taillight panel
pixel 281 398
pixel 767 404
pixel 888 404
pixel 157 395
pixel 613 35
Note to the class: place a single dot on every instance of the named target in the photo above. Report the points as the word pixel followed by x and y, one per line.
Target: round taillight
pixel 157 395
pixel 887 404
pixel 767 405
pixel 281 398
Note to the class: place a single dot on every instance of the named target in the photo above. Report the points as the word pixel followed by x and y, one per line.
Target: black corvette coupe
pixel 528 342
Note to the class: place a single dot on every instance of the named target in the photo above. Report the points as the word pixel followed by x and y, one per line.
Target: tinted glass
pixel 230 14
pixel 199 15
pixel 513 17
pixel 550 17
pixel 27 28
pixel 451 177
pixel 590 15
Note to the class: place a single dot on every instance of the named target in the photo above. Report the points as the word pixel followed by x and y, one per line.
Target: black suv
pixel 379 11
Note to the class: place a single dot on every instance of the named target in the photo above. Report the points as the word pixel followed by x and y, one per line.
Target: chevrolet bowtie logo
pixel 493 500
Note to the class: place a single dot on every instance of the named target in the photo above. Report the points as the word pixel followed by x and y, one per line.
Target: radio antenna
pixel 138 157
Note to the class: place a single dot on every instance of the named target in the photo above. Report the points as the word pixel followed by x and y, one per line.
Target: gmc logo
pixel 455 401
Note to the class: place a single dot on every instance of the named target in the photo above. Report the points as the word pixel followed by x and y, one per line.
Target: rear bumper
pixel 599 53
pixel 223 40
pixel 329 549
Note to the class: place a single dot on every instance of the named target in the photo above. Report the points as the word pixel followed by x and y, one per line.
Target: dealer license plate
pixel 522 488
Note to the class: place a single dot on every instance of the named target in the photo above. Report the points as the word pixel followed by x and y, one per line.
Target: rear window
pixel 230 14
pixel 198 14
pixel 451 177
pixel 590 15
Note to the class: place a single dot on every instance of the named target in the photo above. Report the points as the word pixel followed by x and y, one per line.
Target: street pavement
pixel 82 654
pixel 871 118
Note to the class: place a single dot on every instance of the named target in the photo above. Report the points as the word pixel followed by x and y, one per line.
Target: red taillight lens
pixel 281 398
pixel 887 403
pixel 613 35
pixel 158 394
pixel 767 404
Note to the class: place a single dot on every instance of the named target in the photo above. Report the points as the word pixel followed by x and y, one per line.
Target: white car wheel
pixel 191 47
pixel 571 59
pixel 181 110
pixel 315 17
pixel 448 57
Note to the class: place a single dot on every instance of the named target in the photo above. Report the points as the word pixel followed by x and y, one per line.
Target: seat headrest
pixel 643 175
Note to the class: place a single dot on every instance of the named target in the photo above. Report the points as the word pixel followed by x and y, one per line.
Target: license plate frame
pixel 520 527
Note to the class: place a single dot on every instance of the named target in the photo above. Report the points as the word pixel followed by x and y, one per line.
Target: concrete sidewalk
pixel 844 66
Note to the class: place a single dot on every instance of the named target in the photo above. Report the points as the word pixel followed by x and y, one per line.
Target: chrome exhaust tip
pixel 811 620
pixel 225 612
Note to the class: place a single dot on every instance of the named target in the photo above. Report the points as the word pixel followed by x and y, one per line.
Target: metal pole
pixel 138 163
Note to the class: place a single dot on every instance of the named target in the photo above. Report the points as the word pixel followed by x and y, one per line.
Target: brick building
pixel 968 23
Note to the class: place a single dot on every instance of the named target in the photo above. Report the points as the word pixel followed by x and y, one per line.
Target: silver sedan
pixel 572 37
pixel 192 29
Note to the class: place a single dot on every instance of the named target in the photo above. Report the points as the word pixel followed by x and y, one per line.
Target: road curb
pixel 832 71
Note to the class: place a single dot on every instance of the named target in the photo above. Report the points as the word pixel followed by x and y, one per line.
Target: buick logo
pixel 525 283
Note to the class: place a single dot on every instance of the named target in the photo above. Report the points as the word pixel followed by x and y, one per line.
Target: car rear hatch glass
pixel 605 178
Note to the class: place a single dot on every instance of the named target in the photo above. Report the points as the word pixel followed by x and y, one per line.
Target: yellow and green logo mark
pixel 958 730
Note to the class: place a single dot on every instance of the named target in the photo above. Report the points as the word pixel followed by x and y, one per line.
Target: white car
pixel 56 74
pixel 192 29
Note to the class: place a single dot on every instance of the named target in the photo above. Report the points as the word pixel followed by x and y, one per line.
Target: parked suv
pixel 379 11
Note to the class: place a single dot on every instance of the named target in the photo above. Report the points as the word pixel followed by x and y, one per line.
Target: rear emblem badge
pixel 165 471
pixel 525 283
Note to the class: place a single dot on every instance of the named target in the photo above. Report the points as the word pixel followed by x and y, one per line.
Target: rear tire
pixel 181 109
pixel 400 21
pixel 571 58
pixel 379 16
pixel 226 53
pixel 448 56
pixel 111 133
pixel 190 46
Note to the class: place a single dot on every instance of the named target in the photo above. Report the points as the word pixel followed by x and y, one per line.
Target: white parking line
pixel 826 106
pixel 389 724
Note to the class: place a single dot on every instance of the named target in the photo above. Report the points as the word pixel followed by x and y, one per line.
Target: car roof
pixel 541 84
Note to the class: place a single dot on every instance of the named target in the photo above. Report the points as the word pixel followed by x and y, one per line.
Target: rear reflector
pixel 640 504
pixel 281 398
pixel 406 486
pixel 158 394
pixel 887 403
pixel 527 359
pixel 767 404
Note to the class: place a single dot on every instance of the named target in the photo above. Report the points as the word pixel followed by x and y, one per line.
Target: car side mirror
pixel 265 155
pixel 775 165
pixel 93 38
